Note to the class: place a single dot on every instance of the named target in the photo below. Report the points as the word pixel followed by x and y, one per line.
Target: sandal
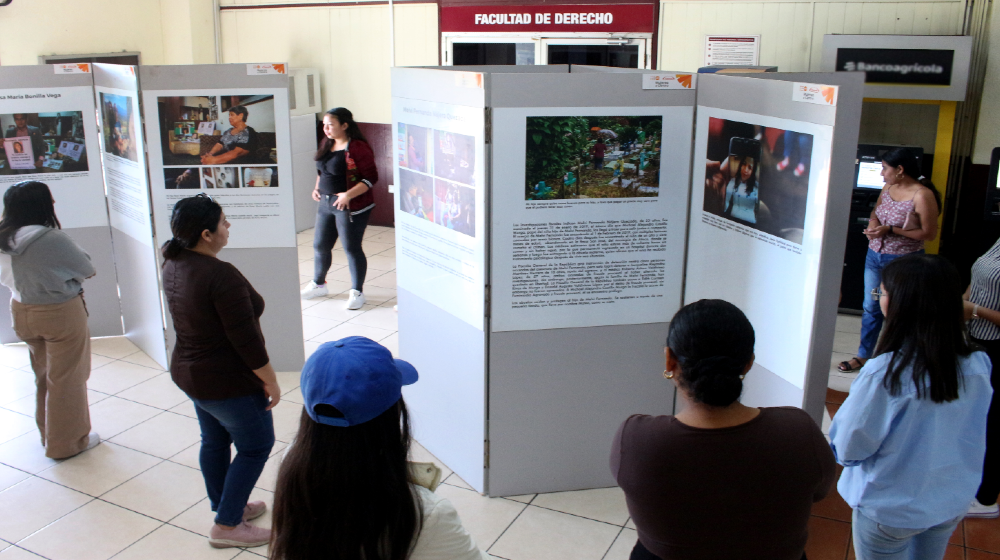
pixel 847 367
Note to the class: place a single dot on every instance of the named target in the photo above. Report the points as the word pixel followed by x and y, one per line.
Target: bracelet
pixel 890 230
pixel 975 311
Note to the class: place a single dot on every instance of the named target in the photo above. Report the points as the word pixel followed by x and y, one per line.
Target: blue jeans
pixel 874 541
pixel 245 422
pixel 871 319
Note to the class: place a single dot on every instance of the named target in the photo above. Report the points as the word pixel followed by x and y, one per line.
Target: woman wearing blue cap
pixel 344 489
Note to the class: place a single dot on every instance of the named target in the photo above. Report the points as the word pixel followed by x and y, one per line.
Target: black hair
pixel 751 183
pixel 713 342
pixel 924 326
pixel 191 216
pixel 28 203
pixel 344 493
pixel 240 110
pixel 905 158
pixel 353 131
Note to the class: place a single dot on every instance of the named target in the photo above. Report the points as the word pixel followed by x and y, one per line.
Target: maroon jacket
pixel 361 169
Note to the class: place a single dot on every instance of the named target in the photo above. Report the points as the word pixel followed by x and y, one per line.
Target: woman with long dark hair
pixel 44 270
pixel 912 433
pixel 344 490
pixel 742 196
pixel 221 363
pixel 346 175
pixel 719 479
pixel 905 216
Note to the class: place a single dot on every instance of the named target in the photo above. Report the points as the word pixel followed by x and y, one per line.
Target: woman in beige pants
pixel 44 270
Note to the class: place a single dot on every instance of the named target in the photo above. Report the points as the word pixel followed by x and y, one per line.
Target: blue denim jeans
pixel 245 422
pixel 871 319
pixel 874 541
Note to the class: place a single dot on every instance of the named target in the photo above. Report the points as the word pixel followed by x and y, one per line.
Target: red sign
pixel 573 18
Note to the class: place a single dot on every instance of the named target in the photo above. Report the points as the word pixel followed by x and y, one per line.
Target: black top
pixel 246 139
pixel 332 170
pixel 216 315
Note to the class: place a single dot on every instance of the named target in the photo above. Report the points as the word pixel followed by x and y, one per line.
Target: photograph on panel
pixel 260 177
pixel 181 178
pixel 217 130
pixel 220 177
pixel 455 207
pixel 416 197
pixel 592 157
pixel 119 126
pixel 43 143
pixel 455 157
pixel 758 176
pixel 411 145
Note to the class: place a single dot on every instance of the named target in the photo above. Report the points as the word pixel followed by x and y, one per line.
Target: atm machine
pixel 867 187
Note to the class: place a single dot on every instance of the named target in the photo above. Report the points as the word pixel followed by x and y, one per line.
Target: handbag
pixel 912 221
pixel 427 475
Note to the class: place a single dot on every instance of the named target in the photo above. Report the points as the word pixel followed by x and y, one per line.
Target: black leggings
pixel 990 487
pixel 331 223
pixel 640 552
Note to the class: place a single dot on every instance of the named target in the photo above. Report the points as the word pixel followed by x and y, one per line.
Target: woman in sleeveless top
pixel 905 216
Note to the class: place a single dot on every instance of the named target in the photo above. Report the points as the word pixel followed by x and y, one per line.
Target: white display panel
pixel 439 172
pixel 60 149
pixel 870 175
pixel 604 244
pixel 764 247
pixel 122 151
pixel 187 157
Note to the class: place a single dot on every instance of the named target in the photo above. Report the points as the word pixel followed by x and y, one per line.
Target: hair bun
pixel 716 380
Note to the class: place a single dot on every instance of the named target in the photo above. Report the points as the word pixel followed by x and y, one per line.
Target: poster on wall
pixel 231 144
pixel 47 138
pixel 124 171
pixel 439 172
pixel 758 206
pixel 590 213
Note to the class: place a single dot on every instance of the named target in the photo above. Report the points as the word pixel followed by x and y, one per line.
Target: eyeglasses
pixel 877 294
pixel 204 195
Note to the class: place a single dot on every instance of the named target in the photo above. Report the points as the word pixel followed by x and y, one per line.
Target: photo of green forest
pixel 592 157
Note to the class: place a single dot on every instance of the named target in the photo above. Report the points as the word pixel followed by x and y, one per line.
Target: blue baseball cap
pixel 357 376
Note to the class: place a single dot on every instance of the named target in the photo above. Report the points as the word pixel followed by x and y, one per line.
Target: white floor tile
pixel 295 396
pixel 15 384
pixel 189 457
pixel 113 416
pixel 524 499
pixel 379 317
pixel 33 504
pixel 484 518
pixel 456 480
pixel 306 252
pixel 599 504
pixel 26 405
pixel 288 380
pixel 630 524
pixel 3 545
pixel 199 518
pixel 142 359
pixel 310 347
pixel 622 548
pixel 159 392
pixel 116 347
pixel 13 424
pixel 377 294
pixel 387 280
pixel 118 376
pixel 97 360
pixel 541 534
pixel 351 329
pixel 391 342
pixel 826 422
pixel 163 492
pixel 10 476
pixel 100 469
pixel 335 310
pixel 17 553
pixel 845 343
pixel 97 531
pixel 25 453
pixel 849 324
pixel 269 476
pixel 382 262
pixel 287 416
pixel 419 454
pixel 315 326
pixel 162 436
pixel 15 355
pixel 186 408
pixel 841 381
pixel 373 248
pixel 171 543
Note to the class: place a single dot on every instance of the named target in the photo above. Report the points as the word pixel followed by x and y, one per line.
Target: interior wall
pixel 163 31
pixel 348 43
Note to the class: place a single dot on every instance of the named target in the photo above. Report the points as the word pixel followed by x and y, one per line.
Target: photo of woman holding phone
pixel 742 199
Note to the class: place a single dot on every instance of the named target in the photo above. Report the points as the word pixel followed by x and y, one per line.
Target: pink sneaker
pixel 253 510
pixel 800 169
pixel 244 535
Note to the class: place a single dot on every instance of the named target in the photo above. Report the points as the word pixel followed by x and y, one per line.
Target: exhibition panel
pixel 49 135
pixel 439 169
pixel 125 176
pixel 769 215
pixel 224 131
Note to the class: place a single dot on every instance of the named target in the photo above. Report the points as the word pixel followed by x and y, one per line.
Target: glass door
pixel 506 51
pixel 615 52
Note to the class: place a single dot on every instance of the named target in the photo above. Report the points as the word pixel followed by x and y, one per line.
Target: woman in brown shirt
pixel 221 363
pixel 719 479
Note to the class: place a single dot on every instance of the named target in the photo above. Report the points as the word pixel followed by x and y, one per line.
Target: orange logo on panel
pixel 684 80
pixel 829 93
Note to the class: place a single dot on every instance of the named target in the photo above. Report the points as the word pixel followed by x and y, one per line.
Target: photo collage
pixel 43 143
pixel 592 157
pixel 758 176
pixel 437 176
pixel 218 141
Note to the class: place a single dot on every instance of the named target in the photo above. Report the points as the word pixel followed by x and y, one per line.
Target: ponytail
pixel 172 248
pixel 191 216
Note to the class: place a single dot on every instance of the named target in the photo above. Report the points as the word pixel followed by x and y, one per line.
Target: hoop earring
pixel 665 376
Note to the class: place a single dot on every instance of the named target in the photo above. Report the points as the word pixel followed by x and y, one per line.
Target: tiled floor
pixel 139 495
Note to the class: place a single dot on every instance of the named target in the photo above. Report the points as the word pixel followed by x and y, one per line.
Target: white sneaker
pixel 314 291
pixel 355 300
pixel 977 509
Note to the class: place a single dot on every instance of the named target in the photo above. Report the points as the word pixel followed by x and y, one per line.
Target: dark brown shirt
pixel 216 314
pixel 741 492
